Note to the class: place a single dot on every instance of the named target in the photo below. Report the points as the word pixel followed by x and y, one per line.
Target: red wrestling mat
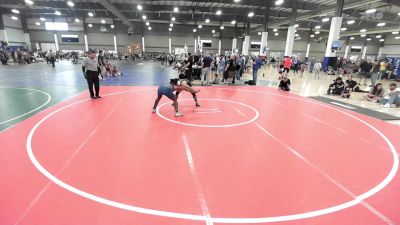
pixel 247 155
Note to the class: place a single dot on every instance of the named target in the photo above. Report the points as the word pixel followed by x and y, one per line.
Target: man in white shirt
pixel 392 96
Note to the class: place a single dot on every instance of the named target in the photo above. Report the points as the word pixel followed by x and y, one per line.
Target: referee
pixel 91 72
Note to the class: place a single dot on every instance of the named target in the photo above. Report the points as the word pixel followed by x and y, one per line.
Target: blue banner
pixel 396 62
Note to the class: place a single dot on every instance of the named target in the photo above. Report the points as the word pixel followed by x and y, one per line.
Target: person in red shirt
pixel 287 63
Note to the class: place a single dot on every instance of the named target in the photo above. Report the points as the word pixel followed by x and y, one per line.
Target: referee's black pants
pixel 93 79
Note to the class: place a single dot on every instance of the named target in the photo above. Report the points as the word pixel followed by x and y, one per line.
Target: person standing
pixel 102 64
pixel 205 69
pixel 256 65
pixel 90 70
pixel 52 57
pixel 375 73
pixel 189 68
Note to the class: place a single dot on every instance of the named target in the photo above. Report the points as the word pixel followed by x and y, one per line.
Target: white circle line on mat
pixel 33 110
pixel 238 220
pixel 211 126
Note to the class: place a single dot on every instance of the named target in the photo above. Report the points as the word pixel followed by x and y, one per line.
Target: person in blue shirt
pixel 257 63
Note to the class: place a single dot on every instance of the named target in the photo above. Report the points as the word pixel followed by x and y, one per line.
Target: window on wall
pixel 206 43
pixel 355 49
pixel 255 45
pixel 69 38
pixel 56 26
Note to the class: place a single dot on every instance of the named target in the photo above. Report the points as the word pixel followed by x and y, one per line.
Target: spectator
pixel 391 97
pixel 317 69
pixel 346 92
pixel 382 68
pixel 188 68
pixel 352 84
pixel 284 84
pixel 256 65
pixel 205 72
pixel 337 87
pixel 287 64
pixel 52 57
pixel 365 67
pixel 376 93
pixel 375 73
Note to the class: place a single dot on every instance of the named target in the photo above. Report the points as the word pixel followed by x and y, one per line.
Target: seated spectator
pixel 346 92
pixel 352 84
pixel 284 84
pixel 337 87
pixel 376 93
pixel 391 97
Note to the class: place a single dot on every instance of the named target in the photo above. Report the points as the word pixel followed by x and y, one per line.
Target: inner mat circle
pixel 228 111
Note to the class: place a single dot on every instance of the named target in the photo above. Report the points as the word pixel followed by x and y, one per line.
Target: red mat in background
pixel 280 164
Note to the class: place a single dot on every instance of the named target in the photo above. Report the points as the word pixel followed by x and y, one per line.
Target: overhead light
pixel 343 28
pixel 77 20
pixel 29 2
pixel 236 0
pixel 275 30
pixel 397 38
pixel 363 30
pixel 378 36
pixel 369 11
pixel 171 24
pixel 233 22
pixel 173 19
pixel 351 22
pixel 395 32
pixel 295 31
pixel 381 40
pixel 338 37
pixel 317 27
pixel 58 13
pixel 149 28
pixel 259 33
pixel 42 19
pixel 194 30
pixel 37 24
pixel 139 7
pixel 207 20
pixel 103 21
pixel 251 14
pixel 398 13
pixel 325 19
pixel 90 25
pixel 312 35
pixel 381 24
pixel 317 32
pixel 368 39
pixel 176 9
pixel 351 38
pixel 90 14
pixel 279 2
pixel 16 11
pixel 222 27
pixel 200 26
pixel 213 31
pixel 219 12
pixel 112 26
pixel 144 17
pixel 296 26
pixel 363 35
pixel 170 29
pixel 296 35
pixel 276 34
pixel 71 4
pixel 147 23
